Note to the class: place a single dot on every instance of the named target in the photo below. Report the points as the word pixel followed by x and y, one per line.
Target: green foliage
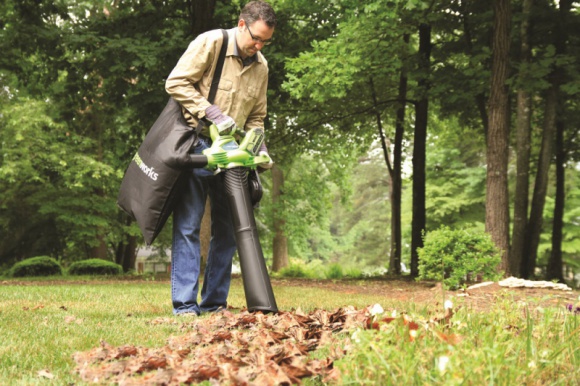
pixel 361 227
pixel 95 267
pixel 457 257
pixel 294 270
pixel 82 81
pixel 49 176
pixel 334 271
pixel 80 84
pixel 570 231
pixel 36 266
pixel 298 268
pixel 340 66
pixel 311 184
pixel 456 175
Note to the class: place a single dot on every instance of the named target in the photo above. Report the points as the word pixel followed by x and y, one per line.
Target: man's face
pixel 252 38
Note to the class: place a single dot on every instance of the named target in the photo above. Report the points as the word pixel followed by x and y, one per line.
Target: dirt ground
pixel 423 293
pixel 478 299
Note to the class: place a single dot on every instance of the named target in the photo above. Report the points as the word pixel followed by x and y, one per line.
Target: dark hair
pixel 259 10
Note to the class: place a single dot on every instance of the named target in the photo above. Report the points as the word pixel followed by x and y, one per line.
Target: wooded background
pixel 387 119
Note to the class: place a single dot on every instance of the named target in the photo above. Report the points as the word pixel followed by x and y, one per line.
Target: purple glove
pixel 224 123
pixel 264 167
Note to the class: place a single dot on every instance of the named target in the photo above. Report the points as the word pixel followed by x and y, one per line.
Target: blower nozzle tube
pixel 257 286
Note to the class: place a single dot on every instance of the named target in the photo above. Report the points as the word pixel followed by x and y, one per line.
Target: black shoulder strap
pixel 218 69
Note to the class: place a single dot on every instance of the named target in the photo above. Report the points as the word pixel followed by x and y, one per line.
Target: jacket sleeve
pixel 190 69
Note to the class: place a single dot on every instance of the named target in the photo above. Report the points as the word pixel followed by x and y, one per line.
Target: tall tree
pixel 201 17
pixel 497 203
pixel 552 102
pixel 101 66
pixel 534 226
pixel 419 147
pixel 280 243
pixel 554 270
pixel 396 178
pixel 292 124
pixel 468 26
pixel 523 144
pixel 338 70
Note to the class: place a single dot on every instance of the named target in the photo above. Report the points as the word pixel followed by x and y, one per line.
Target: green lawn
pixel 44 323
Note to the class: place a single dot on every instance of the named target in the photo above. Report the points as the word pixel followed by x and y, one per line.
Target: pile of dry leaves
pixel 238 349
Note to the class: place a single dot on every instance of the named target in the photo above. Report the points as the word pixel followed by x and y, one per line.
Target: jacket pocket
pixel 225 85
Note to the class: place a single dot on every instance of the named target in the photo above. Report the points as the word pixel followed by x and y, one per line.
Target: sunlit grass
pixel 512 344
pixel 44 323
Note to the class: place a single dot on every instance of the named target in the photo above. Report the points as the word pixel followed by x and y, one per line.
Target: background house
pixel 152 260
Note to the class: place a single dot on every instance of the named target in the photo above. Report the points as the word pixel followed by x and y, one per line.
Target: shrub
pixel 374 271
pixel 458 256
pixel 36 266
pixel 354 273
pixel 95 267
pixel 294 270
pixel 334 271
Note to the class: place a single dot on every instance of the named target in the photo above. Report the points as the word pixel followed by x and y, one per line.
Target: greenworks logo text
pixel 146 169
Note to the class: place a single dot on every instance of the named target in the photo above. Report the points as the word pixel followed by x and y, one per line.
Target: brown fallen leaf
pixel 154 362
pixel 238 349
pixel 125 351
pixel 452 339
pixel 273 375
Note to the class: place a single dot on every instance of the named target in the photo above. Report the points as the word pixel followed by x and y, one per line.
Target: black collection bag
pixel 155 174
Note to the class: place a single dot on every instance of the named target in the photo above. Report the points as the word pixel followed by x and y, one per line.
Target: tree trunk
pixel 553 99
pixel 96 115
pixel 523 146
pixel 534 228
pixel 126 251
pixel 479 98
pixel 554 270
pixel 419 149
pixel 555 264
pixel 100 250
pixel 205 235
pixel 202 16
pixel 497 203
pixel 130 254
pixel 280 245
pixel 396 180
pixel 202 20
pixel 384 140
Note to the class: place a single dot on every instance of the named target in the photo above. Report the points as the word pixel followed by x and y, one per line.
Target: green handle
pixel 225 153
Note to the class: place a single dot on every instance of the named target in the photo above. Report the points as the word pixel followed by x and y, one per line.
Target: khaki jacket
pixel 241 91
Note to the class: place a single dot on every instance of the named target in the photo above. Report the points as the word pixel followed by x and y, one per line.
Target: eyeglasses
pixel 258 40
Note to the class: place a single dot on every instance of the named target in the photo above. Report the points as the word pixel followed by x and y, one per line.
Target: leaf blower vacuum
pixel 154 176
pixel 237 162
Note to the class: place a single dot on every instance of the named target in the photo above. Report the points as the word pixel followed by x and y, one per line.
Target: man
pixel 240 100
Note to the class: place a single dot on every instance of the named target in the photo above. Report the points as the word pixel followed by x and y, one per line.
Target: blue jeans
pixel 186 257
